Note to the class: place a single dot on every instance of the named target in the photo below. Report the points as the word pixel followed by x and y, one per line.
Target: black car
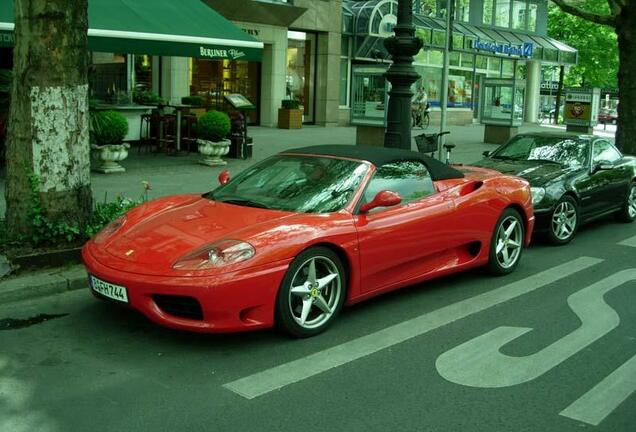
pixel 574 179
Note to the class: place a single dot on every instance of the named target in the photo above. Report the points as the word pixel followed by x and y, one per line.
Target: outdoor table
pixel 179 108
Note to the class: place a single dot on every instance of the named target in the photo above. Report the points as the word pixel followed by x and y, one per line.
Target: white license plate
pixel 112 291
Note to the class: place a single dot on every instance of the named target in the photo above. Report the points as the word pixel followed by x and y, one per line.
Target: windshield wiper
pixel 243 202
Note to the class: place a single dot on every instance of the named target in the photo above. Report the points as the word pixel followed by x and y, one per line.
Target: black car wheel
pixel 628 212
pixel 506 244
pixel 564 221
pixel 312 292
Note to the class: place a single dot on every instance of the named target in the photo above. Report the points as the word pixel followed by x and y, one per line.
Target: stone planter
pixel 212 151
pixel 108 156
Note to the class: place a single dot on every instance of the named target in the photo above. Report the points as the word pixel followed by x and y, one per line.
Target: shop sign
pixel 221 53
pixel 550 85
pixel 524 50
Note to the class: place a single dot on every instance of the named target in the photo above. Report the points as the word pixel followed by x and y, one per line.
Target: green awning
pixel 184 28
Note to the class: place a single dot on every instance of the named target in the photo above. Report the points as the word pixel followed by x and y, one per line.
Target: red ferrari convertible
pixel 293 238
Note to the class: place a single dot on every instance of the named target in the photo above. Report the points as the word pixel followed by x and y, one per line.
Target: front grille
pixel 179 306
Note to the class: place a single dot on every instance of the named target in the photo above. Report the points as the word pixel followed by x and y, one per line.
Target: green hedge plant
pixel 193 100
pixel 213 126
pixel 290 104
pixel 108 127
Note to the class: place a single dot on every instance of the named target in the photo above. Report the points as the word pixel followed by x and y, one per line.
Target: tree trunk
pixel 48 121
pixel 626 32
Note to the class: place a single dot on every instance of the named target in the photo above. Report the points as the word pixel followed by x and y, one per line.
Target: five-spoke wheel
pixel 312 292
pixel 564 221
pixel 507 243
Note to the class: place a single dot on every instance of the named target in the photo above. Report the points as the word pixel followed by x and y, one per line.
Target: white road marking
pixel 288 373
pixel 480 363
pixel 605 397
pixel 629 242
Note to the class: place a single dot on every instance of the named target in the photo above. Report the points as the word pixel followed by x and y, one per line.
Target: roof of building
pixel 379 156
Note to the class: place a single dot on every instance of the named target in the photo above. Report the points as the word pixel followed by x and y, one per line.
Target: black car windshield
pixel 570 152
pixel 305 184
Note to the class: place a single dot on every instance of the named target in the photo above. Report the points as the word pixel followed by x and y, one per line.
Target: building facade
pixel 490 38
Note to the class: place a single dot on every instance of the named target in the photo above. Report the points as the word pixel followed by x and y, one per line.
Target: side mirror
pixel 486 153
pixel 603 166
pixel 224 177
pixel 382 199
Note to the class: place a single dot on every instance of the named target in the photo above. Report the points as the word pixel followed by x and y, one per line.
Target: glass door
pixel 300 76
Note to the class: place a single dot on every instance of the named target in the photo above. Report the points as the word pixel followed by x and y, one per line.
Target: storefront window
pixel 519 14
pixel 369 89
pixel 300 73
pixel 467 60
pixel 435 58
pixel 213 79
pixel 458 41
pixel 453 58
pixel 488 6
pixel 494 64
pixel 507 68
pixel 502 13
pixel 431 81
pixel 143 72
pixel 460 85
pixel 481 62
pixel 532 17
pixel 108 77
pixel 439 38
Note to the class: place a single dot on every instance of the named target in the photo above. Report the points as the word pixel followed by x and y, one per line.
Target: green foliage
pixel 47 232
pixel 146 97
pixel 108 127
pixel 290 104
pixel 213 126
pixel 597 46
pixel 193 100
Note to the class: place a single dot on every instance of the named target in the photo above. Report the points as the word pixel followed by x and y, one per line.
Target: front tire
pixel 506 244
pixel 312 292
pixel 628 212
pixel 564 221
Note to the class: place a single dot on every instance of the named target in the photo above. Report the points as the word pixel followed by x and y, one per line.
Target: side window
pixel 410 179
pixel 604 151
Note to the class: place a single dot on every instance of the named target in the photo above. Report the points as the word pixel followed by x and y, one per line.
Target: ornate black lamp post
pixel 402 47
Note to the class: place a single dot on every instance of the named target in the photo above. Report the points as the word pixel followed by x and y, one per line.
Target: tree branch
pixel 608 20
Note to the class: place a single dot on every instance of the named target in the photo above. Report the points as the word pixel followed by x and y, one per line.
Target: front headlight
pixel 215 255
pixel 537 194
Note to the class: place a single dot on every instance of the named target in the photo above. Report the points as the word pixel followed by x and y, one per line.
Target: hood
pixel 536 172
pixel 159 236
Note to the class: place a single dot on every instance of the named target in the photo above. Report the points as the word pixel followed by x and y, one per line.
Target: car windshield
pixel 570 152
pixel 305 184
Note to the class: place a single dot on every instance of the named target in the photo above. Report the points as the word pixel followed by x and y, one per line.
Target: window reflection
pixel 296 183
pixel 410 179
pixel 568 152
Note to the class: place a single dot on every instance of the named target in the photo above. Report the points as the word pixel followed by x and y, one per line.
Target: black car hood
pixel 536 172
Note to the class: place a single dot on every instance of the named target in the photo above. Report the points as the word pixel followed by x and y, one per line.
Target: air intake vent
pixel 179 306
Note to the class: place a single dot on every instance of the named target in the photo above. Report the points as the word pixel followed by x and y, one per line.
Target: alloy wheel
pixel 509 242
pixel 315 292
pixel 631 202
pixel 564 220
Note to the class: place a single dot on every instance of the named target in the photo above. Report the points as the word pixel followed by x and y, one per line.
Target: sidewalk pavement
pixel 170 175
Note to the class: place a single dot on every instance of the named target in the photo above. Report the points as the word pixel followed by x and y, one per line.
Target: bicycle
pixel 420 116
pixel 429 143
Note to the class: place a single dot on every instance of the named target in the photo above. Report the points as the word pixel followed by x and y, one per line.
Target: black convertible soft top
pixel 379 156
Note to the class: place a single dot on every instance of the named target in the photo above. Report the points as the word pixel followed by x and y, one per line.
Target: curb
pixel 42 283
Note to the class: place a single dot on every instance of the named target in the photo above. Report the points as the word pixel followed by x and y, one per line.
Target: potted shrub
pixel 290 115
pixel 212 130
pixel 146 97
pixel 108 129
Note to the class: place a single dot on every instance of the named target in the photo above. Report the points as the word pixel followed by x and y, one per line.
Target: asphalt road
pixel 551 347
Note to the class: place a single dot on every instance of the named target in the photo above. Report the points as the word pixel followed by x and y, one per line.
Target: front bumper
pixel 230 302
pixel 542 218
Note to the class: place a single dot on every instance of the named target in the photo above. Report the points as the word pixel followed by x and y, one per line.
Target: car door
pixel 609 185
pixel 400 243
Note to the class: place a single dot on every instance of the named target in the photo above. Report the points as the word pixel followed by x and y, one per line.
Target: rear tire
pixel 506 243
